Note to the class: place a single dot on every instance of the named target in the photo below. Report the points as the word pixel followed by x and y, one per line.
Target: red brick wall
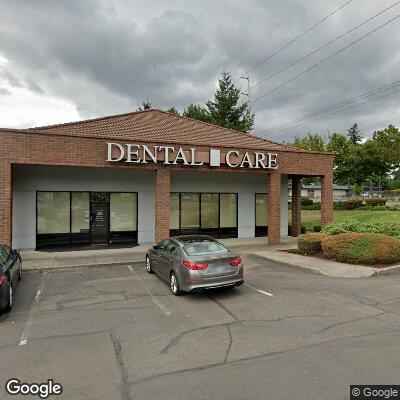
pixel 162 196
pixel 274 207
pixel 327 198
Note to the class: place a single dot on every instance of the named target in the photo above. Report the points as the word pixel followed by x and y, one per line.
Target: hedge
pixel 375 201
pixel 310 243
pixel 361 248
pixel 350 225
pixel 305 201
pixel 351 204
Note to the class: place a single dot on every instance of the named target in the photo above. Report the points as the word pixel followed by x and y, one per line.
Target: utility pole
pixel 247 77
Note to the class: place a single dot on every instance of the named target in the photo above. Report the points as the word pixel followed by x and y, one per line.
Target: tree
pixel 225 110
pixel 312 142
pixel 146 105
pixel 173 110
pixel 354 134
pixel 198 112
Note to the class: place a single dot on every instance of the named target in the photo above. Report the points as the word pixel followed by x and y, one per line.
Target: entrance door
pixel 99 218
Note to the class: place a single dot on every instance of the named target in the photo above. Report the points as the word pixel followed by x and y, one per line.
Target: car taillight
pixel 3 279
pixel 236 261
pixel 194 266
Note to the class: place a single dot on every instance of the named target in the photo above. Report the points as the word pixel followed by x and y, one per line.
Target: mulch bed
pixel 321 256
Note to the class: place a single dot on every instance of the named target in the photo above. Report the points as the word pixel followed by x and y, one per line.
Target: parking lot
pixel 118 333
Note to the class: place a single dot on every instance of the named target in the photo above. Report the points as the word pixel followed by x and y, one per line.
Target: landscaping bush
pixel 375 201
pixel 361 248
pixel 316 228
pixel 351 204
pixel 351 225
pixel 305 201
pixel 338 205
pixel 314 206
pixel 309 243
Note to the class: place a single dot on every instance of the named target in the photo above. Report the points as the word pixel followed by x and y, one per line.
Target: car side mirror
pixel 156 247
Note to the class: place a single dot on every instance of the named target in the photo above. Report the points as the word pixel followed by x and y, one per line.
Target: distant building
pixel 314 192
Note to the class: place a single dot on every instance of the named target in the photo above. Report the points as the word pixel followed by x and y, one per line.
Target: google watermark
pixel 374 392
pixel 42 390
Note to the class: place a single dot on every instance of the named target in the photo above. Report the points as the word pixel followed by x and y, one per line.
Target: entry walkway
pixel 115 256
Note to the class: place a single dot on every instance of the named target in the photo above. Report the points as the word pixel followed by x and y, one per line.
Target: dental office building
pixel 146 175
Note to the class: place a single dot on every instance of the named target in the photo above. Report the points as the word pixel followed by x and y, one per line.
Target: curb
pixel 68 267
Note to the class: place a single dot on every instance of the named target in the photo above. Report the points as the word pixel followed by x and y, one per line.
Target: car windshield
pixel 205 247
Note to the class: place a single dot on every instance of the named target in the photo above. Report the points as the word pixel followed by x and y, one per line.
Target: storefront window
pixel 190 210
pixel 213 214
pixel 209 210
pixel 174 211
pixel 53 213
pixel 261 214
pixel 80 213
pixel 228 210
pixel 123 212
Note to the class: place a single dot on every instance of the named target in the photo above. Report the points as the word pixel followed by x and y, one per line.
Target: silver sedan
pixel 193 263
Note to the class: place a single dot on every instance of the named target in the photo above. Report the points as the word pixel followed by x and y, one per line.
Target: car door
pixel 9 263
pixel 167 257
pixel 156 259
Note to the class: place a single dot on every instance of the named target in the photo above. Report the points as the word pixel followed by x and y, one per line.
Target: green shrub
pixel 314 206
pixel 305 201
pixel 361 248
pixel 338 205
pixel 309 243
pixel 375 201
pixel 351 204
pixel 316 228
pixel 351 225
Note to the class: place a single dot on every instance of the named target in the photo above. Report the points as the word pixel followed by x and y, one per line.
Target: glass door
pixel 99 217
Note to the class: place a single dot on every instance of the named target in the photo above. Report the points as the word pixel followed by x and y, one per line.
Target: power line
pixel 326 59
pixel 296 38
pixel 348 108
pixel 325 45
pixel 362 96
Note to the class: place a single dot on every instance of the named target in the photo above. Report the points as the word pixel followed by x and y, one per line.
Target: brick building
pixel 142 176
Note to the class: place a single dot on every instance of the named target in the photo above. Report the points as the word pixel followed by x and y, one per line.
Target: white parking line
pixel 157 302
pixel 29 322
pixel 259 290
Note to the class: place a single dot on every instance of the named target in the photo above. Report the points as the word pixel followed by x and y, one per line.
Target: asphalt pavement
pixel 118 333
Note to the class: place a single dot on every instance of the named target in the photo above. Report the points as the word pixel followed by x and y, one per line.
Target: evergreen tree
pixel 225 110
pixel 354 134
pixel 173 110
pixel 198 112
pixel 146 105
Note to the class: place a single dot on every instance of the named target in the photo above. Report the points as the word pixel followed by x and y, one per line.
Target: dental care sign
pixel 143 154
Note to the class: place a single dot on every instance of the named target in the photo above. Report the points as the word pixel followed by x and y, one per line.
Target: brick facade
pixel 274 207
pixel 162 196
pixel 37 147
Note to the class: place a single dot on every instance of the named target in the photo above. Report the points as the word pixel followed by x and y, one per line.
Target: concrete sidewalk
pixel 58 260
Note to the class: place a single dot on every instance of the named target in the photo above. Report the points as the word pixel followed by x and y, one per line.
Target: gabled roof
pixel 161 127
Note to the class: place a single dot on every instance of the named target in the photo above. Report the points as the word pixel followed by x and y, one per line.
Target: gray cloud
pixel 105 57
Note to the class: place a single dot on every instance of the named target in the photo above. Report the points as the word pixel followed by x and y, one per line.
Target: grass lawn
pixel 313 217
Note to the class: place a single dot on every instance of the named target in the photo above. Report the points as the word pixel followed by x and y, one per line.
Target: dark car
pixel 193 263
pixel 10 273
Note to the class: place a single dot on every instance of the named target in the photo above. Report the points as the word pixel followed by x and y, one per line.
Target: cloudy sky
pixel 75 59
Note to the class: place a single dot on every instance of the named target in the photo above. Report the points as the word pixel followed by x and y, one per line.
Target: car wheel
pixel 148 266
pixel 9 299
pixel 174 285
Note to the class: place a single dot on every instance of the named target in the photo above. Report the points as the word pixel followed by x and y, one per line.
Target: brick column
pixel 162 195
pixel 296 206
pixel 326 199
pixel 5 203
pixel 274 207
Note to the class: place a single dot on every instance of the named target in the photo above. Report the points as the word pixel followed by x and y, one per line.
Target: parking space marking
pixel 28 326
pixel 259 290
pixel 157 302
